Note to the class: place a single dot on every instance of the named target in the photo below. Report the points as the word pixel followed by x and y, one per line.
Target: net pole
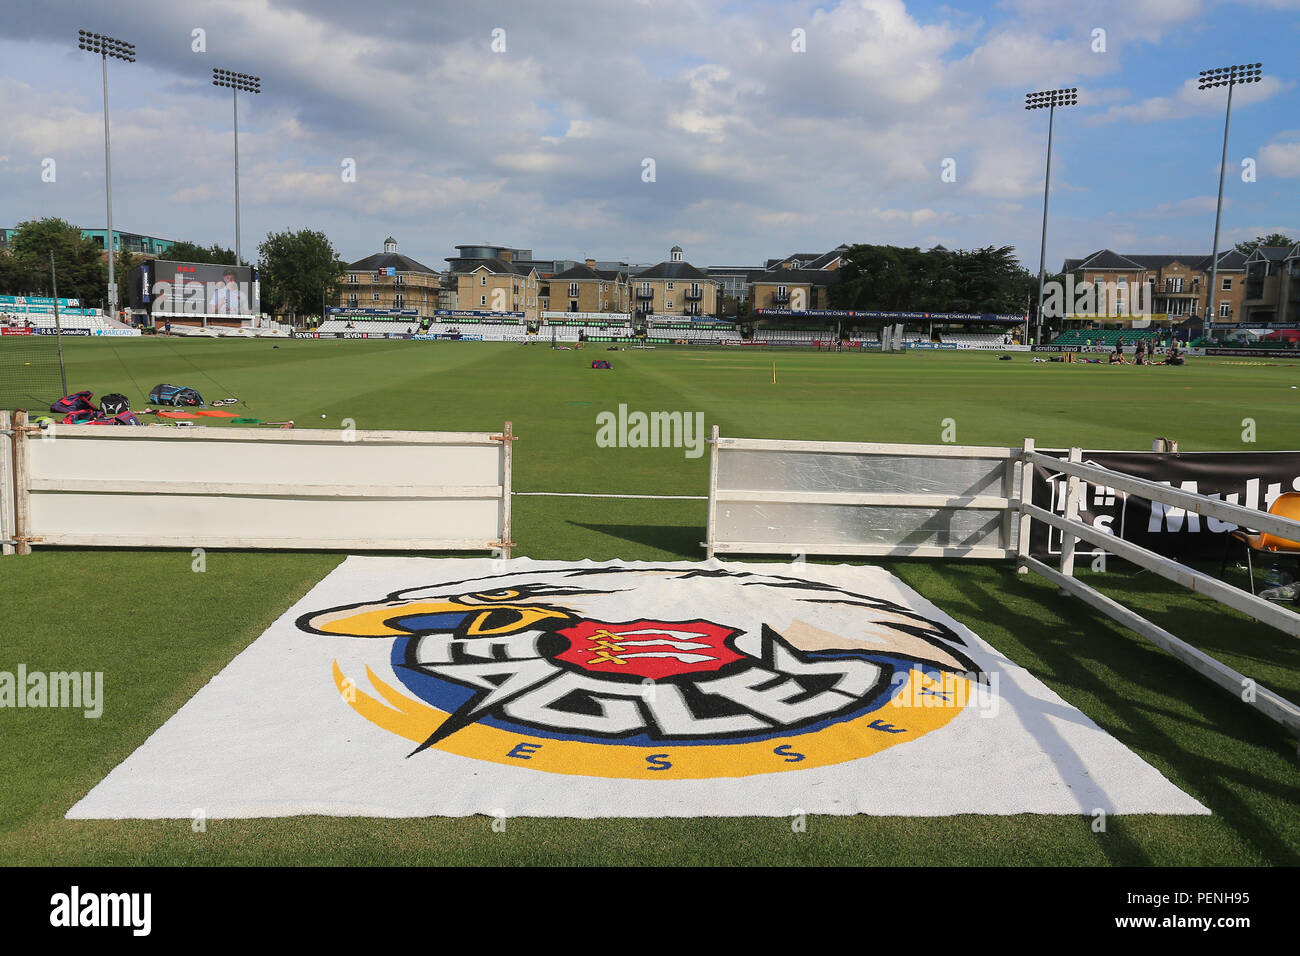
pixel 58 325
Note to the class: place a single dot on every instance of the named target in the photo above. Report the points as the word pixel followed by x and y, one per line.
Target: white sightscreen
pixel 845 498
pixel 253 488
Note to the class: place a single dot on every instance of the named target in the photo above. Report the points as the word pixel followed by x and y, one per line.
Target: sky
pixel 614 129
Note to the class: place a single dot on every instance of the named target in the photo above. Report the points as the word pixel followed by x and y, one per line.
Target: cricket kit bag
pixel 114 403
pixel 174 395
pixel 76 402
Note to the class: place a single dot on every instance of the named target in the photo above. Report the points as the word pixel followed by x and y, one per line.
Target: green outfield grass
pixel 159 631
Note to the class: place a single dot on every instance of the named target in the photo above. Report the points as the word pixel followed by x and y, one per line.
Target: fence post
pixel 1026 498
pixel 507 465
pixel 7 531
pixel 21 484
pixel 713 493
pixel 1068 540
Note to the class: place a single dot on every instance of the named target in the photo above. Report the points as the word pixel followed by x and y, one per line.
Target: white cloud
pixel 1190 100
pixel 1191 206
pixel 758 148
pixel 1280 159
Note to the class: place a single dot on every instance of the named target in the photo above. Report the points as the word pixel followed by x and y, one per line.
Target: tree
pixel 991 280
pixel 896 279
pixel 191 252
pixel 16 277
pixel 730 305
pixel 122 266
pixel 873 278
pixel 298 269
pixel 1275 239
pixel 83 272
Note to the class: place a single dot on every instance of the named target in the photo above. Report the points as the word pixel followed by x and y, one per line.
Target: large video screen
pixel 199 288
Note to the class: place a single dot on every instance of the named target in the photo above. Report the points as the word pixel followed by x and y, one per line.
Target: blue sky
pixel 760 150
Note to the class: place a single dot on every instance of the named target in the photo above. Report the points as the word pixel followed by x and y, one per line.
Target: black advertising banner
pixel 1250 479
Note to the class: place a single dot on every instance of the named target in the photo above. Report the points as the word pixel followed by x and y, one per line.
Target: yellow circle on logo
pixel 921 704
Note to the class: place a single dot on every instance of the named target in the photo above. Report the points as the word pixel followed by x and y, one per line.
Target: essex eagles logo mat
pixel 652 671
pixel 409 687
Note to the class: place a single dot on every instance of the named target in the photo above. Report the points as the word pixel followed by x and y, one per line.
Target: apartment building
pixel 1173 285
pixel 1272 286
pixel 796 283
pixel 151 247
pixel 673 287
pixel 811 260
pixel 587 288
pixel 733 281
pixel 390 280
pixel 498 285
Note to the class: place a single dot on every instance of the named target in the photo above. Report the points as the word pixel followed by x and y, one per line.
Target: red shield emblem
pixel 649 649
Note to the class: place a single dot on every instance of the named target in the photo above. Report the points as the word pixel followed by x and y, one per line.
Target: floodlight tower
pixel 107 46
pixel 249 84
pixel 1228 76
pixel 1050 99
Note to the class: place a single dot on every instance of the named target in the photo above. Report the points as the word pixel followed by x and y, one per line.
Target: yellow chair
pixel 1284 506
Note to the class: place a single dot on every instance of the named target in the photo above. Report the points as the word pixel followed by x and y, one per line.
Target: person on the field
pixel 1117 356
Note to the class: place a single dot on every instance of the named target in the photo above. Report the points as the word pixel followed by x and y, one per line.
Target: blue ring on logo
pixel 448 696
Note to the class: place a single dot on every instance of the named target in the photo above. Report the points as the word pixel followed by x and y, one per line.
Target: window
pixel 1121 280
pixel 482 280
pixel 352 279
pixel 1227 283
pixel 374 297
pixel 1225 310
pixel 482 300
pixel 573 290
pixel 399 280
pixel 352 301
pixel 668 304
pixel 398 300
pixel 670 287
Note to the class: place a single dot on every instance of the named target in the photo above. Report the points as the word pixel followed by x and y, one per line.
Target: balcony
pixel 645 293
pixel 780 298
pixel 693 295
